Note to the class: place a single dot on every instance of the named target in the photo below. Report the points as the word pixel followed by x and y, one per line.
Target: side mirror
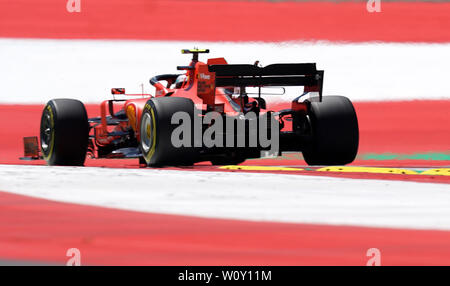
pixel 117 90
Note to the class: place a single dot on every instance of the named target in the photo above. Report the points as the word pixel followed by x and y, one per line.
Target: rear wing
pixel 304 74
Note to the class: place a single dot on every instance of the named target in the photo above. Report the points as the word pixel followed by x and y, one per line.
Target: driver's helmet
pixel 179 82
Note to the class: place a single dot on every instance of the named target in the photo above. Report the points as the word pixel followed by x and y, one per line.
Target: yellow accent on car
pixel 131 114
pixel 375 170
pixel 440 172
pixel 190 51
pixel 147 131
pixel 259 168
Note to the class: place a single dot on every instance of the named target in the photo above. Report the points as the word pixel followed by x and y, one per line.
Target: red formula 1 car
pixel 211 112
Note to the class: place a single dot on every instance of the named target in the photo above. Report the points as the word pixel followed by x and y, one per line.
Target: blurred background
pixel 391 58
pixel 393 64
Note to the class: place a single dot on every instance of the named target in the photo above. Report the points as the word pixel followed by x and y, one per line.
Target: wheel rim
pixel 46 132
pixel 146 132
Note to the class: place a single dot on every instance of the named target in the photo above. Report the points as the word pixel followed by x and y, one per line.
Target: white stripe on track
pixel 36 70
pixel 246 196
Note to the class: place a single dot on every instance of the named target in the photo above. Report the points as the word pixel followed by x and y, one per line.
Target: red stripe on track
pixel 369 176
pixel 396 127
pixel 226 21
pixel 40 230
pixel 401 126
pixel 404 127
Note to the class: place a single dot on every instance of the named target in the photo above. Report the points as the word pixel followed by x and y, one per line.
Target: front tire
pixel 64 132
pixel 335 133
pixel 156 132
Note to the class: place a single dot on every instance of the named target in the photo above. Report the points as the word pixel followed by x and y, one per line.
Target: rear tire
pixel 64 132
pixel 156 132
pixel 335 133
